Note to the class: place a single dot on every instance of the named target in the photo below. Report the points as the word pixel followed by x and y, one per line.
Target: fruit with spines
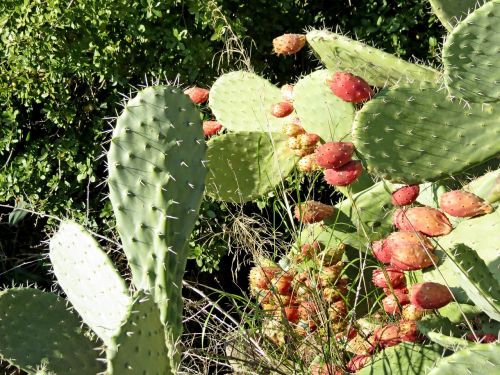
pixel 287 93
pixel 312 211
pixel 334 154
pixel 395 277
pixel 405 195
pixel 381 252
pixel 358 362
pixel 260 277
pixel 344 175
pixel 282 109
pixel 307 140
pixel 288 44
pixel 293 128
pixel 461 203
pixel 308 164
pixel 412 312
pixel 211 128
pixel 392 301
pixel 350 88
pixel 430 295
pixel 197 94
pixel 410 251
pixel 426 220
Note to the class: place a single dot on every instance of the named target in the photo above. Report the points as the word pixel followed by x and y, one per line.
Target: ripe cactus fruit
pixel 483 338
pixel 426 220
pixel 288 44
pixel 405 195
pixel 211 128
pixel 260 277
pixel 412 312
pixel 410 251
pixel 381 252
pixel 396 278
pixel 307 140
pixel 390 302
pixel 310 250
pixel 293 129
pixel 308 163
pixel 430 295
pixel 358 362
pixel 283 283
pixel 281 109
pixel 461 203
pixel 334 154
pixel 344 175
pixel 293 143
pixel 312 211
pixel 287 93
pixel 350 88
pixel 197 94
pixel 292 314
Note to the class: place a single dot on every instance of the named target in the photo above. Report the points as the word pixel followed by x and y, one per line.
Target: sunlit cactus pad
pixel 450 12
pixel 320 111
pixel 471 55
pixel 37 329
pixel 242 101
pixel 378 68
pixel 246 165
pixel 412 134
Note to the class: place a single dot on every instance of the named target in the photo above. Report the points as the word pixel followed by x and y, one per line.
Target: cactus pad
pixel 450 12
pixel 156 180
pixel 89 279
pixel 412 134
pixel 404 359
pixel 376 67
pixel 140 348
pixel 37 329
pixel 470 55
pixel 242 101
pixel 478 359
pixel 246 165
pixel 320 111
pixel 441 331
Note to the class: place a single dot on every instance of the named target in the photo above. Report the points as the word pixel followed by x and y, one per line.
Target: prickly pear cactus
pixel 450 12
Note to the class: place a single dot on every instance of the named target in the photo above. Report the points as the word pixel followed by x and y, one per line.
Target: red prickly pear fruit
pixel 429 295
pixel 292 314
pixel 426 220
pixel 281 109
pixel 461 203
pixel 288 44
pixel 210 128
pixel 307 140
pixel 293 129
pixel 483 338
pixel 308 310
pixel 405 195
pixel 344 175
pixel 260 277
pixel 310 249
pixel 334 154
pixel 350 88
pixel 396 278
pixel 408 331
pixel 386 336
pixel 197 94
pixel 303 152
pixel 311 211
pixel 358 362
pixel 381 252
pixel 287 93
pixel 410 251
pixel 283 284
pixel 307 164
pixel 412 312
pixel 398 291
pixel 390 302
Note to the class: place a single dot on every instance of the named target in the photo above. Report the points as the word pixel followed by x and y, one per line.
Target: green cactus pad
pixel 37 329
pixel 455 312
pixel 156 180
pixel 441 331
pixel 246 165
pixel 450 12
pixel 486 187
pixel 378 68
pixel 478 359
pixel 140 348
pixel 89 279
pixel 470 55
pixel 320 112
pixel 242 101
pixel 412 134
pixel 404 359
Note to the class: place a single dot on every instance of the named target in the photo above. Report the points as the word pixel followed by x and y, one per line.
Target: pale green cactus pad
pixel 320 112
pixel 413 134
pixel 378 68
pixel 140 348
pixel 441 331
pixel 89 279
pixel 246 165
pixel 478 359
pixel 404 359
pixel 37 330
pixel 242 101
pixel 470 55
pixel 450 12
